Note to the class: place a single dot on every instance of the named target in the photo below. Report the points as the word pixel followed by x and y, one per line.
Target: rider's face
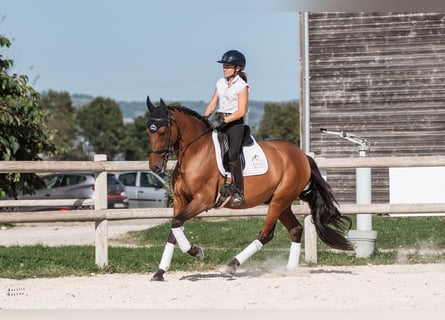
pixel 228 69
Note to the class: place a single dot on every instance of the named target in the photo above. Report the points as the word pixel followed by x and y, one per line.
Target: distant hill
pixel 133 109
pixel 79 100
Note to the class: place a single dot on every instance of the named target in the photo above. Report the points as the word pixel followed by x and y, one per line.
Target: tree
pixel 136 143
pixel 280 121
pixel 24 134
pixel 102 124
pixel 62 117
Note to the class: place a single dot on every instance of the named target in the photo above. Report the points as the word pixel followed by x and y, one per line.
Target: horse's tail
pixel 331 226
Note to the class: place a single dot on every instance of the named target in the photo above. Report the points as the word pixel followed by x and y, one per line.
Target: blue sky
pixel 168 49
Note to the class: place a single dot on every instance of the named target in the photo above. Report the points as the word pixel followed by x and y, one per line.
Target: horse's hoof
pixel 227 271
pixel 199 253
pixel 196 252
pixel 158 276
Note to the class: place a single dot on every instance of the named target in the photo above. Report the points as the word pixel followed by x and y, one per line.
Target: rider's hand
pixel 217 123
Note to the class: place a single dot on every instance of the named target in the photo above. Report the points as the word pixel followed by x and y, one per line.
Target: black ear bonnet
pixel 159 117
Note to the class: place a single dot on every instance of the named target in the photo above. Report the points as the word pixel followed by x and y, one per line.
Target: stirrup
pixel 237 199
pixel 225 194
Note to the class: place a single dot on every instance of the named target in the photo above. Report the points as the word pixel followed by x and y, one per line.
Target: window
pixel 70 180
pixel 149 180
pixel 51 181
pixel 128 179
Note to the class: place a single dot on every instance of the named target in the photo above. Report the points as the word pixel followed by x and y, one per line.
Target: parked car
pixel 76 185
pixel 145 189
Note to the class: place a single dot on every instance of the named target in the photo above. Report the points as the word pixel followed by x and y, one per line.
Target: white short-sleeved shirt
pixel 228 96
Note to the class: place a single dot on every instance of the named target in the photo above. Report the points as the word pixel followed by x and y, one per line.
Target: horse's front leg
pixel 166 259
pixel 184 244
pixel 176 235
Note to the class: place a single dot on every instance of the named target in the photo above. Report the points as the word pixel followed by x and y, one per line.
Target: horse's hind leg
pixel 288 219
pixel 295 230
pixel 266 234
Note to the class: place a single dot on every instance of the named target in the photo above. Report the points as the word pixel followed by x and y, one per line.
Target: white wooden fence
pixel 100 215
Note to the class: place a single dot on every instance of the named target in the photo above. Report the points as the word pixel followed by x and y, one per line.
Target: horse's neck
pixel 191 130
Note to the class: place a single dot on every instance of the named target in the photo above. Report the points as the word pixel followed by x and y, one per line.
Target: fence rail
pixel 160 213
pixel 101 215
pixel 116 166
pixel 49 202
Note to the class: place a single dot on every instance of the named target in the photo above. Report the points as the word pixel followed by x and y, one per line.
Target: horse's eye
pixel 162 131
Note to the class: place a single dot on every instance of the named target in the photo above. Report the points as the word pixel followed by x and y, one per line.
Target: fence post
pixel 100 203
pixel 310 240
pixel 310 234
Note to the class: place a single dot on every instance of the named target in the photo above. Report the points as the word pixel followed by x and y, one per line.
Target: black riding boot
pixel 238 183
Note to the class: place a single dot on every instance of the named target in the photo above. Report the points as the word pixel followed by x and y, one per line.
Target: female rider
pixel 231 100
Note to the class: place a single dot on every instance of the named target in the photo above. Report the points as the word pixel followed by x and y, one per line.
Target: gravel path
pixel 345 288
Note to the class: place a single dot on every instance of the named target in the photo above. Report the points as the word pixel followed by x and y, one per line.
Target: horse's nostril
pixel 155 169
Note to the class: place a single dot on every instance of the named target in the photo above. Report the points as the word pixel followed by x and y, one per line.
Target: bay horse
pixel 196 181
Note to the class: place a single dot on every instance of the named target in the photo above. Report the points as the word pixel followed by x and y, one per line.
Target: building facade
pixel 380 76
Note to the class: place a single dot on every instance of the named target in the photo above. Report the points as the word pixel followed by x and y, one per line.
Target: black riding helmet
pixel 234 58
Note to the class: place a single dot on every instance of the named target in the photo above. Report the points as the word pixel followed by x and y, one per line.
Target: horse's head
pixel 162 134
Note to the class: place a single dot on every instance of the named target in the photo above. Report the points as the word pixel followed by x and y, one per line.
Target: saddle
pixel 253 161
pixel 224 146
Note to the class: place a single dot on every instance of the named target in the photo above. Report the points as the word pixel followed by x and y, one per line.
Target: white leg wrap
pixel 167 256
pixel 253 247
pixel 294 256
pixel 183 243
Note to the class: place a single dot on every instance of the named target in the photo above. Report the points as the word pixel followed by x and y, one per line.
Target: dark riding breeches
pixel 235 133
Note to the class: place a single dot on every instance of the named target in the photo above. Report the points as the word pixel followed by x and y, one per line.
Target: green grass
pixel 221 241
pixel 410 232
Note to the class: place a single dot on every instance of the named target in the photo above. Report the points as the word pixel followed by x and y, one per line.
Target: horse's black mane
pixel 189 112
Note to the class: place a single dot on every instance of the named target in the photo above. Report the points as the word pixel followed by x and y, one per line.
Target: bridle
pixel 156 124
pixel 169 148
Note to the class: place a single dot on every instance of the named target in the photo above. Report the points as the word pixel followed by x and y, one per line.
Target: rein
pixel 195 138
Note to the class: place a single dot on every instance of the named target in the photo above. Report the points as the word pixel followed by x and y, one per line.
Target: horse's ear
pixel 150 105
pixel 162 104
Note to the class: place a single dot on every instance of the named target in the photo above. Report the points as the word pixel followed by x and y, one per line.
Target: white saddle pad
pixel 256 161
